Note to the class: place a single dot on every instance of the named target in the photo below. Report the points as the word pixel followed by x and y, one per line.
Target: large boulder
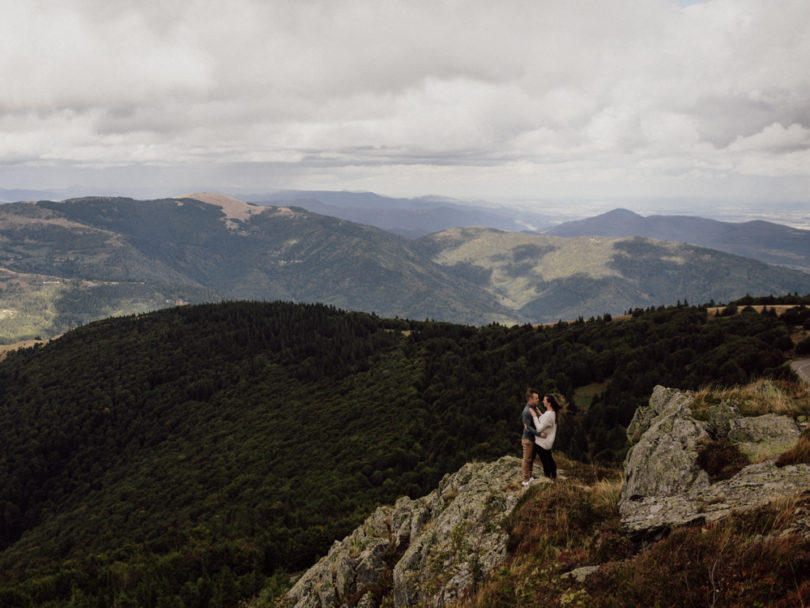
pixel 427 552
pixel 667 484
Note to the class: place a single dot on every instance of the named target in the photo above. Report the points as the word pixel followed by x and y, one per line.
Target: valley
pixel 63 264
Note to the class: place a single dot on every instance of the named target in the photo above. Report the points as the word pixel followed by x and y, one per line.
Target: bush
pixel 721 459
pixel 796 316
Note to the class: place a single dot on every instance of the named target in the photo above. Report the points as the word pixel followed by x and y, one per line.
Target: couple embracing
pixel 539 430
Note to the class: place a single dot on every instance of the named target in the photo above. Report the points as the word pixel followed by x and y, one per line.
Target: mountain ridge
pixel 549 277
pixel 408 217
pixel 758 239
pixel 81 259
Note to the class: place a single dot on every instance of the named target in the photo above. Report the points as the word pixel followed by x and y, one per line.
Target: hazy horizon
pixel 561 210
pixel 676 106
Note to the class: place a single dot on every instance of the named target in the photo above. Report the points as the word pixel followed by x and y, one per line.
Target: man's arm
pixel 528 422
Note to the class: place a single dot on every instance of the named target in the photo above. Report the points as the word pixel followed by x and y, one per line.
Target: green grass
pixel 584 395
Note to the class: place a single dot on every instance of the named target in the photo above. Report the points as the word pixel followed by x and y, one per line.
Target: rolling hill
pixel 764 241
pixel 66 263
pixel 82 259
pixel 547 278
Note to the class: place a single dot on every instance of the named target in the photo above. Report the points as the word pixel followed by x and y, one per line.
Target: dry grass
pixel 745 560
pixel 713 311
pixel 758 398
pixel 785 511
pixel 720 458
pixel 799 453
pixel 605 495
pixel 749 559
pixel 7 348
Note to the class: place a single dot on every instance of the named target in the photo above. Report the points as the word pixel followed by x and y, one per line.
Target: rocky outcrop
pixel 431 551
pixel 667 484
pixel 428 551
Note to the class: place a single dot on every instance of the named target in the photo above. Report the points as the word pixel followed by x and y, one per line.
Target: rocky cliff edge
pixel 681 469
pixel 427 551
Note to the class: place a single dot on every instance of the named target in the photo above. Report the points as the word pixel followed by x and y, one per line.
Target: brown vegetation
pixel 749 559
pixel 721 459
pixel 760 397
pixel 7 348
pixel 798 454
pixel 567 546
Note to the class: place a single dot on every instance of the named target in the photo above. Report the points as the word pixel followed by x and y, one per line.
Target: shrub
pixel 796 316
pixel 720 458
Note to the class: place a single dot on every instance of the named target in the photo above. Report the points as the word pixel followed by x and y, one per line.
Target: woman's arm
pixel 544 423
pixel 541 426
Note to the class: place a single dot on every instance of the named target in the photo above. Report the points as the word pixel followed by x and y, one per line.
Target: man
pixel 530 448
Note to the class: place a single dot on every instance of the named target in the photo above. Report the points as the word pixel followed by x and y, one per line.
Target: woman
pixel 546 430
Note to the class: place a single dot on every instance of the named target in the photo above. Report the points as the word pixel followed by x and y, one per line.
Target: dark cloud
pixel 409 97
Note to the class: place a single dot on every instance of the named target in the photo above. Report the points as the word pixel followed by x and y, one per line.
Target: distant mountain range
pixel 412 218
pixel 66 263
pixel 408 217
pixel 764 241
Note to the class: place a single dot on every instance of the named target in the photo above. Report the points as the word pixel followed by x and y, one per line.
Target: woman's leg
pixel 549 466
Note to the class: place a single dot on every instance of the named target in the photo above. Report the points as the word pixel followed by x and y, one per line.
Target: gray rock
pixel 431 551
pixel 764 436
pixel 465 539
pixel 580 574
pixel 441 544
pixel 665 487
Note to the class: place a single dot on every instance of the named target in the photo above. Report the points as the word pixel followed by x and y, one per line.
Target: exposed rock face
pixel 666 487
pixel 427 551
pixel 431 551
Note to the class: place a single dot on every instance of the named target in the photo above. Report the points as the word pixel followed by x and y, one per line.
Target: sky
pixel 511 101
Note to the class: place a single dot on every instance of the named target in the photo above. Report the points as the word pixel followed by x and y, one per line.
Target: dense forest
pixel 192 456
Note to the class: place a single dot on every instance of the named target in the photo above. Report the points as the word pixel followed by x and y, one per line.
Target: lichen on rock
pixel 428 551
pixel 665 484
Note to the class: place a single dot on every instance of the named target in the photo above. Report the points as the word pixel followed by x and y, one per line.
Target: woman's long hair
pixel 558 407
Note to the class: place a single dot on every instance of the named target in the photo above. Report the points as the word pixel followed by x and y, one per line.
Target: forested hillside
pixel 547 278
pixel 67 263
pixel 63 264
pixel 185 456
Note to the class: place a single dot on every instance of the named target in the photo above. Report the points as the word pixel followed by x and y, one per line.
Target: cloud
pixel 419 93
pixel 774 137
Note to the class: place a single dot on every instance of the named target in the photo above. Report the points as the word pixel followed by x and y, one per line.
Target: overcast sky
pixel 507 100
